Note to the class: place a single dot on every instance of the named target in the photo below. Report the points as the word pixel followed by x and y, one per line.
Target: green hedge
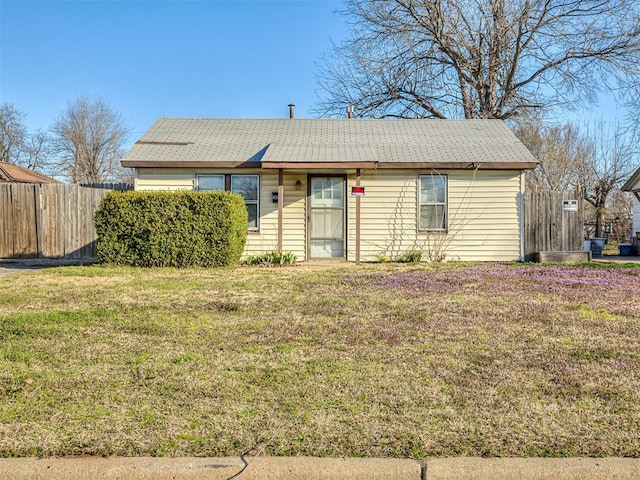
pixel 171 229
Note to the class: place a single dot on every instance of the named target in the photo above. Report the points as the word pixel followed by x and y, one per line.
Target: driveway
pixel 617 258
pixel 12 266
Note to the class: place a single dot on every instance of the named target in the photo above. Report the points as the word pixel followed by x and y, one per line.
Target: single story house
pixel 633 186
pixel 352 189
pixel 10 173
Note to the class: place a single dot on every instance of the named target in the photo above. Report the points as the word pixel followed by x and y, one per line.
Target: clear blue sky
pixel 154 58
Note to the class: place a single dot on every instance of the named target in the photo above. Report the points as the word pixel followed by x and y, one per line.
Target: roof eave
pixel 459 165
pixel 188 164
pixel 319 165
pixel 628 186
pixel 333 165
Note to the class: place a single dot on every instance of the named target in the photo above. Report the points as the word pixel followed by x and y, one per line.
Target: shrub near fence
pixel 177 229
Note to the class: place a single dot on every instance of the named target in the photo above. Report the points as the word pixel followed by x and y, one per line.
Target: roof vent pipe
pixel 291 110
pixel 350 111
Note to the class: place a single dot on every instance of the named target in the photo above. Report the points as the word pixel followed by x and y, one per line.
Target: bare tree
pixel 37 150
pixel 559 149
pixel 610 162
pixel 13 134
pixel 619 215
pixel 87 141
pixel 593 158
pixel 478 58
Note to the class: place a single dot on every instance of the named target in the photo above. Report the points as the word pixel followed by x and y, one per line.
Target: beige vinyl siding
pixel 484 209
pixel 266 239
pixel 483 216
pixel 636 214
pixel 635 206
pixel 163 179
pixel 294 215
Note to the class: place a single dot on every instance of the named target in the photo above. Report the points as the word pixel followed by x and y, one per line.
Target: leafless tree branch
pixel 13 134
pixel 479 58
pixel 87 141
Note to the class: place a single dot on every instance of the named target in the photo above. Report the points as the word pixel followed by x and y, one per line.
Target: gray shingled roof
pixel 630 185
pixel 182 140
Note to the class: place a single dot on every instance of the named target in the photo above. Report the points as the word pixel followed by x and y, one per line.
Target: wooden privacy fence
pixel 56 221
pixel 548 226
pixel 48 221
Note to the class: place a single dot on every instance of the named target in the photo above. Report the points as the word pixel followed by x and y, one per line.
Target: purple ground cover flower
pixel 525 279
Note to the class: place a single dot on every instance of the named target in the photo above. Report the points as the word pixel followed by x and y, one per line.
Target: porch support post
pixel 280 207
pixel 358 219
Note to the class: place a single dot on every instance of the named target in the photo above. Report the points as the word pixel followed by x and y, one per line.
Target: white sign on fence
pixel 570 205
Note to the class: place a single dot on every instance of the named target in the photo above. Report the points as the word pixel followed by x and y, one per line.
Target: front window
pixel 432 215
pixel 246 185
pixel 207 183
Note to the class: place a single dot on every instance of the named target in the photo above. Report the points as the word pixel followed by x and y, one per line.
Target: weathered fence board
pixel 48 221
pixel 6 223
pixel 549 228
pixel 56 221
pixel 18 234
pixel 51 235
pixel 25 213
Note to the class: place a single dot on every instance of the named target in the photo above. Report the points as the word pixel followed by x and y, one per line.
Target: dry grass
pixel 378 360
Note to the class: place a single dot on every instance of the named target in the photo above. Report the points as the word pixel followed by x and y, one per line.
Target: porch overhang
pixel 319 165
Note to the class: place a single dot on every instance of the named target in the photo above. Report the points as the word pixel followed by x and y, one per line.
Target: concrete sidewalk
pixel 309 468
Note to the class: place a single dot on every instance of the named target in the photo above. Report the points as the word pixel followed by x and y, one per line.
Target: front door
pixel 326 217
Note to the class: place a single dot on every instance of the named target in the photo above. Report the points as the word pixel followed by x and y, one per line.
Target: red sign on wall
pixel 357 191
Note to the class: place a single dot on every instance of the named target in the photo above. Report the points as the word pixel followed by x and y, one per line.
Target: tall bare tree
pixel 559 149
pixel 611 160
pixel 594 158
pixel 13 133
pixel 620 215
pixel 478 58
pixel 87 141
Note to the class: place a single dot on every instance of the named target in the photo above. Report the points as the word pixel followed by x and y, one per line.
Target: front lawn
pixel 377 360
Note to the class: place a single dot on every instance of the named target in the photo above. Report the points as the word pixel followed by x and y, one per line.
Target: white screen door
pixel 326 217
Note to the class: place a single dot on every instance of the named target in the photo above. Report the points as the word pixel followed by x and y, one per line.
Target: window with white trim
pixel 432 198
pixel 246 185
